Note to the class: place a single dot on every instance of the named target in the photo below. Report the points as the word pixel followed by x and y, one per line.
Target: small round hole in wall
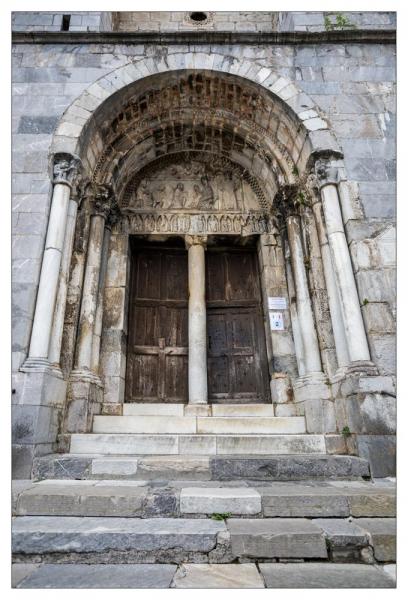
pixel 198 17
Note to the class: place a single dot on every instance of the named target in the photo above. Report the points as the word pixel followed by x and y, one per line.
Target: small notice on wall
pixel 277 303
pixel 276 321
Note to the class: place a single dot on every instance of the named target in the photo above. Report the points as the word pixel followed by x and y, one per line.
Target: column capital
pixel 66 168
pixel 326 172
pixel 102 200
pixel 195 240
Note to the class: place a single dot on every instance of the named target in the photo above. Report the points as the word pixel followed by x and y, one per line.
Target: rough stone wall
pixel 354 85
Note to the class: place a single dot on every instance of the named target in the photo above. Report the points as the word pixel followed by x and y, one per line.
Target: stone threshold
pixel 361 36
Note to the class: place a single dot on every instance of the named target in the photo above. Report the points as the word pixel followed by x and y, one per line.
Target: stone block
pixel 276 538
pixel 376 285
pixel 270 444
pixel 214 576
pixel 142 409
pixel 375 503
pixel 242 410
pixel 380 451
pixel 250 425
pixel 345 539
pixel 35 125
pixel 36 535
pixel 303 501
pixel 324 575
pixel 20 571
pixel 144 424
pixel 383 352
pixel 99 576
pixel 382 534
pixel 123 444
pixel 114 467
pixel 174 467
pixel 56 466
pixel 378 318
pixel 236 501
pixel 197 444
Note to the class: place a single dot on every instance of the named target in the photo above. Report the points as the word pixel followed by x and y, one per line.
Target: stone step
pixel 193 444
pixel 202 576
pixel 199 425
pixel 106 539
pixel 203 467
pixel 216 410
pixel 146 499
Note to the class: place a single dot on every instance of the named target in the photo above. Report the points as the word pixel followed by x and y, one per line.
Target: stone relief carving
pixel 194 186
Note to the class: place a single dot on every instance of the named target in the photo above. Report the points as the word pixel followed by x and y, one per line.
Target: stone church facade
pixel 204 215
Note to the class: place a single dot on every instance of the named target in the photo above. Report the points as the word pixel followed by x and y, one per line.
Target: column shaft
pixel 343 270
pixel 303 301
pixel 96 342
pixel 197 328
pixel 59 313
pixel 332 292
pixel 90 293
pixel 48 285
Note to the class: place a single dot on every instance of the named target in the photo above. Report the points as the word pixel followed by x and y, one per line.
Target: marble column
pixel 197 326
pixel 65 171
pixel 357 346
pixel 306 322
pixel 59 313
pixel 87 318
pixel 339 333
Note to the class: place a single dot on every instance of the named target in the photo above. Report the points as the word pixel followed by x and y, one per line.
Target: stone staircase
pixel 211 493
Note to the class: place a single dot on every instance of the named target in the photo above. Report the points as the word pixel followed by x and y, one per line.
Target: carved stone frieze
pixel 195 223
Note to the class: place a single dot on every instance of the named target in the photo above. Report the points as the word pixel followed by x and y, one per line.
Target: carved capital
pixel 326 172
pixel 66 169
pixel 114 215
pixel 102 200
pixel 195 240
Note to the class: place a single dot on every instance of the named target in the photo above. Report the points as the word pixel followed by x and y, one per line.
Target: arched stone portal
pixel 199 154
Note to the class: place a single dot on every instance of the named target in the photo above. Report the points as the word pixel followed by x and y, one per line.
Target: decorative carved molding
pixel 326 172
pixel 66 169
pixel 195 223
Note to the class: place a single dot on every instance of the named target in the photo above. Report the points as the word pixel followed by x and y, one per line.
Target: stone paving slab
pixel 341 532
pixel 276 538
pixel 324 575
pixel 99 576
pixel 205 576
pixel 20 571
pixel 36 535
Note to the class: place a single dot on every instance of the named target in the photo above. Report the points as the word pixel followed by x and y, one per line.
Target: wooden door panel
pixel 158 327
pixel 237 364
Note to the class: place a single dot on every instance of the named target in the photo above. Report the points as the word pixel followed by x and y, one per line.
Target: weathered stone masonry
pixel 309 124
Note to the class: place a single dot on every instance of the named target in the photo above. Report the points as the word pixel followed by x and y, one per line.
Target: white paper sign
pixel 276 321
pixel 277 302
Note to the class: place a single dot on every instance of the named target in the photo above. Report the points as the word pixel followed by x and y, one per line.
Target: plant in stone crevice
pixel 220 516
pixel 341 22
pixel 346 431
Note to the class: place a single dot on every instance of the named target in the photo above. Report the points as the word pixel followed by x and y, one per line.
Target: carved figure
pixel 144 197
pixel 207 200
pixel 179 196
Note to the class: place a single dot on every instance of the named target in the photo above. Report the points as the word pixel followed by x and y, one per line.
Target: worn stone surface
pixel 100 576
pixel 36 535
pixel 324 575
pixel 217 577
pixel 382 533
pixel 380 450
pixel 19 572
pixel 276 538
pixel 286 468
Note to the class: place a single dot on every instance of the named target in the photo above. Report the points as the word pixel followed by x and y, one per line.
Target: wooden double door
pixel 157 357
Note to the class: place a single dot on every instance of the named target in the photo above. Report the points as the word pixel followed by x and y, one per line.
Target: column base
pixel 85 398
pixel 41 365
pixel 85 375
pixel 313 391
